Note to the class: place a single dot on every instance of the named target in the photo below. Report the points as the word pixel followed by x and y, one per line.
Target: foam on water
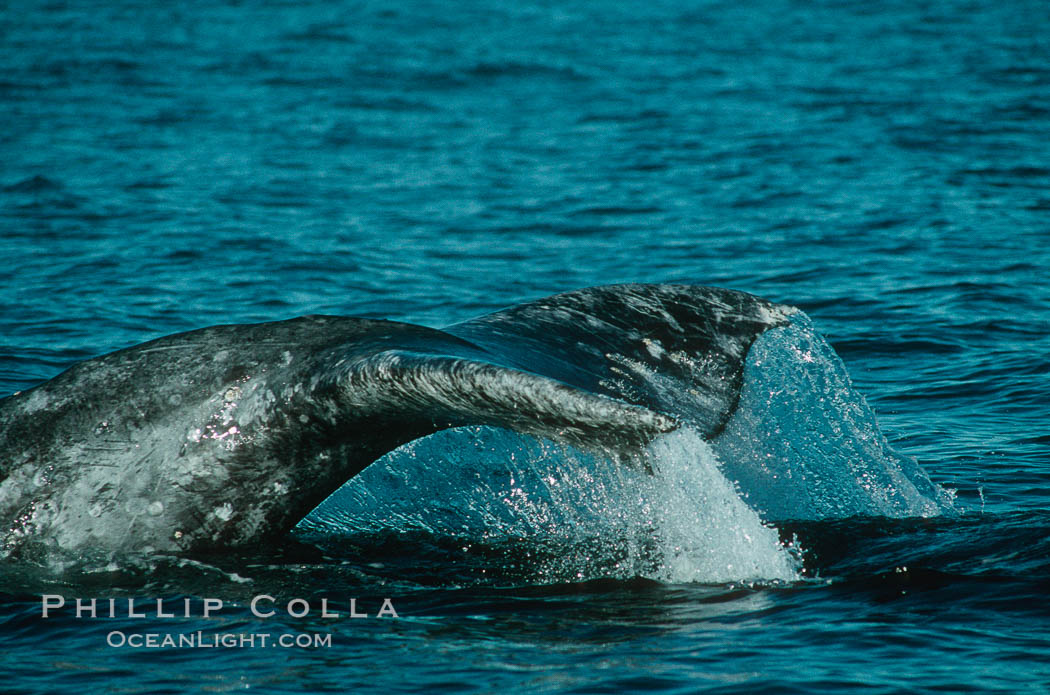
pixel 571 515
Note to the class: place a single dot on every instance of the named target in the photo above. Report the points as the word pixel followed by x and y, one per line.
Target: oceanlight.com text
pixel 120 639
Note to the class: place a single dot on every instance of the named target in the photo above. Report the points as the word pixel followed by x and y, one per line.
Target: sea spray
pixel 707 532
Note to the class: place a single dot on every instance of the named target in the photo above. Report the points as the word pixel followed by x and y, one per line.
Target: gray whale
pixel 226 436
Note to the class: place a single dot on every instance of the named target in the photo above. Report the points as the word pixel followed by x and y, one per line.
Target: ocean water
pixel 885 167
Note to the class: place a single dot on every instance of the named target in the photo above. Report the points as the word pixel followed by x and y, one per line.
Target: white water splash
pixel 707 532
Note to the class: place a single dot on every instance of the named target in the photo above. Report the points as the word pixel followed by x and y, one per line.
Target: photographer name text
pixel 262 606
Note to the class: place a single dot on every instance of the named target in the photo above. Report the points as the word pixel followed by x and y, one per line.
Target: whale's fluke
pixel 226 435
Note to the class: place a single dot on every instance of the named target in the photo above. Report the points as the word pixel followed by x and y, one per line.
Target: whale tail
pixel 220 436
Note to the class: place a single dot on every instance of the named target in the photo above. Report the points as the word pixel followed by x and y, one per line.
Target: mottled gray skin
pixel 225 436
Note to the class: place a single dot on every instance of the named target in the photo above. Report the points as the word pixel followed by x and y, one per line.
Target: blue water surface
pixel 883 166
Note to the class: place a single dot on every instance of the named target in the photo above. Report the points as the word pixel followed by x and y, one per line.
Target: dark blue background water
pixel 884 166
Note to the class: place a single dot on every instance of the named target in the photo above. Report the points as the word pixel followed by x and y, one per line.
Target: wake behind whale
pixel 227 436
